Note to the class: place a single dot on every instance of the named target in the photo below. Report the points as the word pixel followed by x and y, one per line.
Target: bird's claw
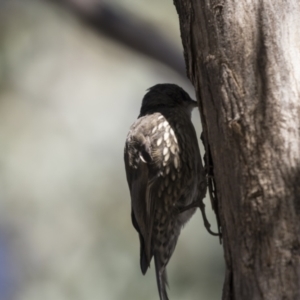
pixel 201 206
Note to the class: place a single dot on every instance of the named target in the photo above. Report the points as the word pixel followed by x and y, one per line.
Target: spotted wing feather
pixel 141 174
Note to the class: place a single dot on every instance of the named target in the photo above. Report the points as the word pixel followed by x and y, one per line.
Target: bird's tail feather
pixel 161 278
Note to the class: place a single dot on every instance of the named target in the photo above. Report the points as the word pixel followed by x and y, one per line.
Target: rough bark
pixel 243 58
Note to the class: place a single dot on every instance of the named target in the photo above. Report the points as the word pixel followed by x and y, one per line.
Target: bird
pixel 165 175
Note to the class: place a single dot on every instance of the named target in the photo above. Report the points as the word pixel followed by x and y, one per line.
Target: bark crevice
pixel 243 58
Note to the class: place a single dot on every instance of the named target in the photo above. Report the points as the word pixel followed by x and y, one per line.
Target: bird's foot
pixel 201 205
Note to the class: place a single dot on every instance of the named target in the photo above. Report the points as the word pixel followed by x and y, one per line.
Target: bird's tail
pixel 161 278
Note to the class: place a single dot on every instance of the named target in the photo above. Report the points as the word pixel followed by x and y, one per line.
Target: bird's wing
pixel 141 178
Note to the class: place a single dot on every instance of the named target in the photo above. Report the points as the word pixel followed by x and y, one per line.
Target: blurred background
pixel 72 76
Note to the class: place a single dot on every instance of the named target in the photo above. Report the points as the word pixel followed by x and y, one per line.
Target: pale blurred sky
pixel 68 96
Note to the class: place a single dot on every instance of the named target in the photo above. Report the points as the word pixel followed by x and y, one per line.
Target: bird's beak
pixel 191 105
pixel 194 103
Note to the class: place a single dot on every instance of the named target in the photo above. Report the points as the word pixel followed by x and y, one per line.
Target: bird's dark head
pixel 164 96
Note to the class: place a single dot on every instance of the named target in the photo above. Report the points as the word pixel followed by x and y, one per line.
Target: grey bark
pixel 243 58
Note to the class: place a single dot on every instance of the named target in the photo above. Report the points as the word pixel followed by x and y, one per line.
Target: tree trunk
pixel 243 58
